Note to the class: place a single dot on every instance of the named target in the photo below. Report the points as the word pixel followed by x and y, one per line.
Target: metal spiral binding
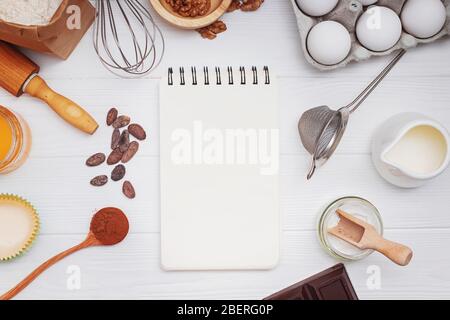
pixel 182 79
pixel 194 75
pixel 255 75
pixel 230 76
pixel 218 75
pixel 243 75
pixel 170 77
pixel 206 75
pixel 267 75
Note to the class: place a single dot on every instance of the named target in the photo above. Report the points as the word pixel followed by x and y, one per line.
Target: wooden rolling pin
pixel 18 74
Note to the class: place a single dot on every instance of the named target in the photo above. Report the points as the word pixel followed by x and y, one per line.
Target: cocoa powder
pixel 110 226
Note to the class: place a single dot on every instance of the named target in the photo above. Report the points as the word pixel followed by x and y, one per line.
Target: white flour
pixel 28 12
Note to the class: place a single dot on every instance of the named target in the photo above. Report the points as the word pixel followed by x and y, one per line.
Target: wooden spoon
pixel 109 226
pixel 364 236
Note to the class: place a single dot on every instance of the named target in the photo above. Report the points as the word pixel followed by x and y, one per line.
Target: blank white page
pixel 219 193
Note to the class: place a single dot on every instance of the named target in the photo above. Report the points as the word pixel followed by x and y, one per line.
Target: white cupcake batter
pixel 17 224
pixel 28 12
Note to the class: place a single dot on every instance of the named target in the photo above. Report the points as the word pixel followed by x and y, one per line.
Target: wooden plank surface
pixel 56 180
pixel 131 271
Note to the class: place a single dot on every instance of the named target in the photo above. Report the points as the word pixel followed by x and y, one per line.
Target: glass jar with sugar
pixel 359 207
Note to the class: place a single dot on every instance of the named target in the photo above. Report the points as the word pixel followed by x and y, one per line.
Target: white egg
pixel 329 42
pixel 317 8
pixel 379 28
pixel 423 18
pixel 367 2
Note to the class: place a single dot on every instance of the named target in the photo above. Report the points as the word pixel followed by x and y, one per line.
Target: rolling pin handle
pixel 64 107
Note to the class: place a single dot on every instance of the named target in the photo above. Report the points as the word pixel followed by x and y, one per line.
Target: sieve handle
pixel 313 167
pixel 369 89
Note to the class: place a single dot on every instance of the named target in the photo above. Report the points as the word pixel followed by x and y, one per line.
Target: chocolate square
pixel 330 284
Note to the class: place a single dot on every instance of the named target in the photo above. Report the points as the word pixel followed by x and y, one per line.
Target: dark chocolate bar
pixel 331 284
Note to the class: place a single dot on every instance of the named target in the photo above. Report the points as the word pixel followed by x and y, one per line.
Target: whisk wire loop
pixel 128 56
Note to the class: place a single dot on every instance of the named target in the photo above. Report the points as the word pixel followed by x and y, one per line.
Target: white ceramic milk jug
pixel 410 149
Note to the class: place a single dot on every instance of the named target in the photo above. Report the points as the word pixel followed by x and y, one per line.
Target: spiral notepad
pixel 219 169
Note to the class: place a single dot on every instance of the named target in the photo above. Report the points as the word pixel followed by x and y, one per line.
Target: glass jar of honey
pixel 15 141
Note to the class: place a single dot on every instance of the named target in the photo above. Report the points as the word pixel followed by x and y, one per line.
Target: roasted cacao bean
pixel 128 190
pixel 99 181
pixel 124 141
pixel 118 173
pixel 115 156
pixel 111 116
pixel 96 160
pixel 115 139
pixel 121 121
pixel 131 152
pixel 137 131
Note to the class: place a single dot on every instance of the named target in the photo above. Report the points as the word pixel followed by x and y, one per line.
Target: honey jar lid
pixel 19 226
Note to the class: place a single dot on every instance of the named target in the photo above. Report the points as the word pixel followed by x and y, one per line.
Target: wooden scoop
pixel 364 236
pixel 18 74
pixel 109 226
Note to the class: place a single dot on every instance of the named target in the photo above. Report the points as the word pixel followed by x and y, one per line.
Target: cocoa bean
pixel 124 141
pixel 96 160
pixel 111 116
pixel 128 190
pixel 121 121
pixel 137 131
pixel 99 181
pixel 118 173
pixel 115 139
pixel 115 156
pixel 131 152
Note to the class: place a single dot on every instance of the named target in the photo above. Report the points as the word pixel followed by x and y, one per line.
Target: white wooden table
pixel 56 180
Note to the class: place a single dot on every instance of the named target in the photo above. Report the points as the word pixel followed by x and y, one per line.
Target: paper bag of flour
pixel 60 36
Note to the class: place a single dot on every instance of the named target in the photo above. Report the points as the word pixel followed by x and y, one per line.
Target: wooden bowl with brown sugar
pixel 190 17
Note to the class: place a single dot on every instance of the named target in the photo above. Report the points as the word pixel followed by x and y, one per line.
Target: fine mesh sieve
pixel 321 128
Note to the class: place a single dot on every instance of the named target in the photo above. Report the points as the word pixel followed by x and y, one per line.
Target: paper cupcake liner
pixel 32 238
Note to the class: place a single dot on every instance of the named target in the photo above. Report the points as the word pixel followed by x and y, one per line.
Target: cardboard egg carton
pixel 347 12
